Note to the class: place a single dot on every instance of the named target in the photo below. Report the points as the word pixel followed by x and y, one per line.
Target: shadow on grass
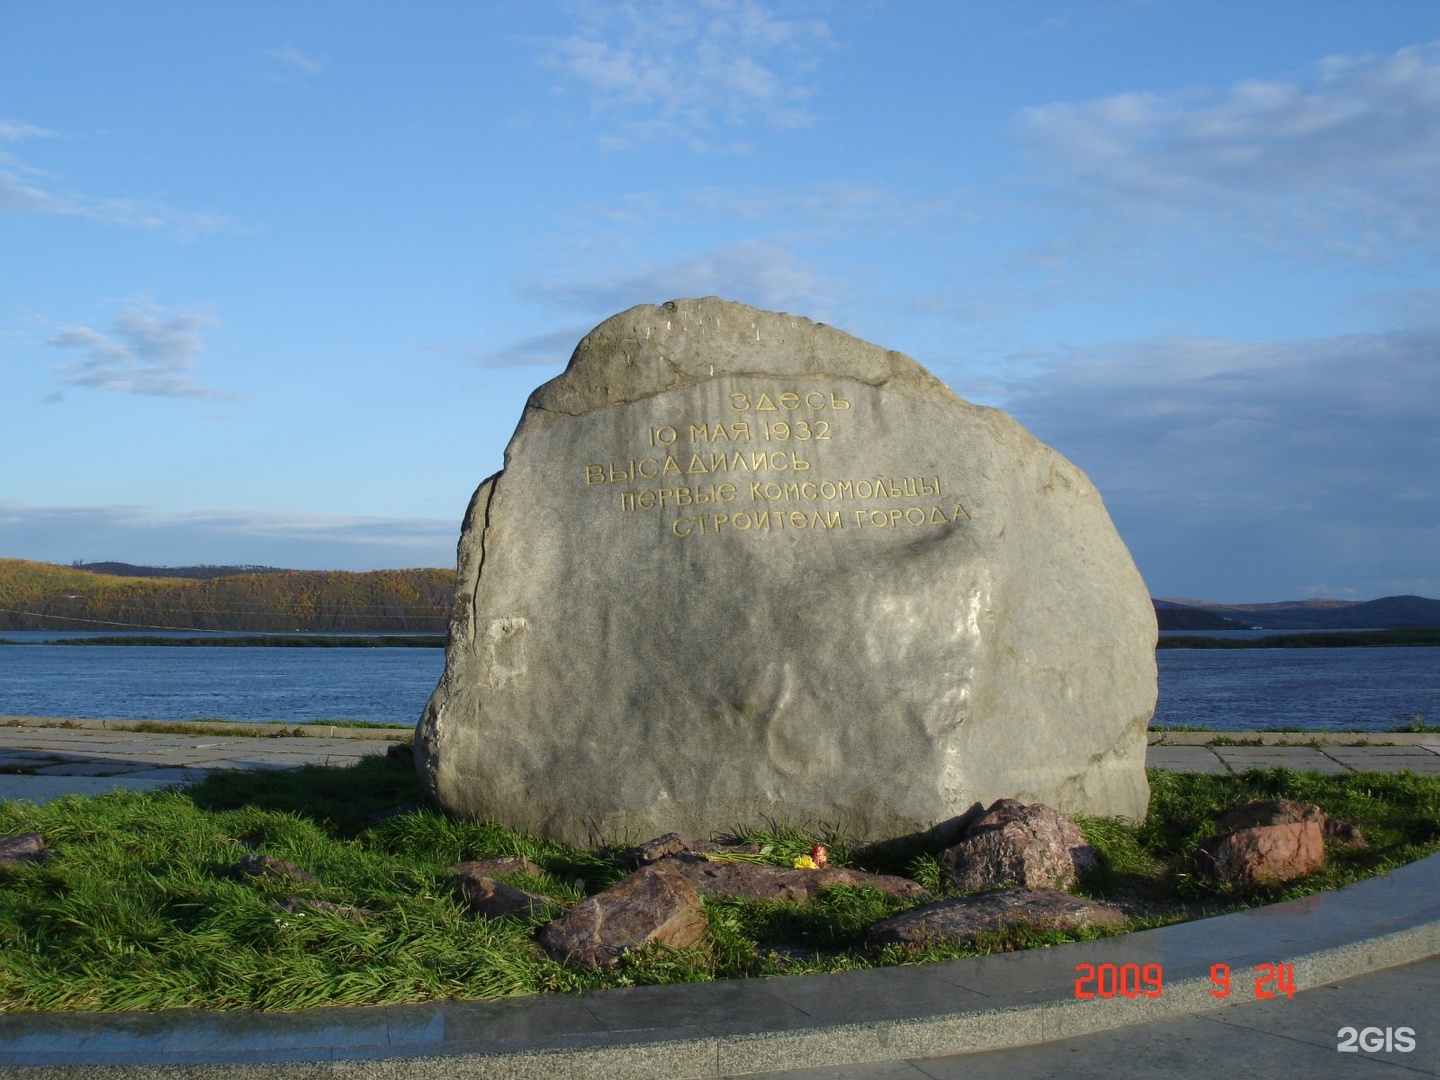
pixel 344 800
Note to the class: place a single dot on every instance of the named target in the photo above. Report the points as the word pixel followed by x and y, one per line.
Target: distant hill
pixel 41 596
pixel 203 573
pixel 1173 616
pixel 1387 613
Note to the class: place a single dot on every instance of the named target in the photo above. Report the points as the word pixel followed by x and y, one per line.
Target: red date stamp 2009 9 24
pixel 1148 980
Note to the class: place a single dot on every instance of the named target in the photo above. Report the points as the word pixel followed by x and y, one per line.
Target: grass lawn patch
pixel 136 908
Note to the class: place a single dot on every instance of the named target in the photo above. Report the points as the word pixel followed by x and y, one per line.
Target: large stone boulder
pixel 739 565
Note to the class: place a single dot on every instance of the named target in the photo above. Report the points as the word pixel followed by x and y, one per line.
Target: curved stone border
pixel 753 1025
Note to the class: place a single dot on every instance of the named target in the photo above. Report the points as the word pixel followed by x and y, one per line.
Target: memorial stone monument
pixel 741 566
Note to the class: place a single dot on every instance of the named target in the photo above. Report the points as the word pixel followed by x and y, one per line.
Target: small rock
pixel 403 753
pixel 968 917
pixel 296 905
pixel 393 812
pixel 22 847
pixel 726 879
pixel 501 867
pixel 672 843
pixel 1287 812
pixel 1264 854
pixel 490 898
pixel 265 866
pixel 655 904
pixel 1015 844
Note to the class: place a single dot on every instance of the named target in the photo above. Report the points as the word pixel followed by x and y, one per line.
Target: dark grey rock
pixel 22 847
pixel 741 566
pixel 653 850
pixel 269 868
pixel 297 905
pixel 496 868
pixel 476 883
pixel 403 753
pixel 968 917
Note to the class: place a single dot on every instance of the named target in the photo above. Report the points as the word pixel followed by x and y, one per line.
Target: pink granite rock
pixel 726 879
pixel 968 917
pixel 655 905
pixel 1265 854
pixel 1015 844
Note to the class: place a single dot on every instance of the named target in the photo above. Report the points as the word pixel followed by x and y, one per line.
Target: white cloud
pixel 551 349
pixel 1347 158
pixel 151 353
pixel 824 209
pixel 288 63
pixel 686 68
pixel 1257 464
pixel 28 190
pixel 758 273
pixel 16 130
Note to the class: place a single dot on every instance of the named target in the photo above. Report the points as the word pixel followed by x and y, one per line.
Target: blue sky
pixel 276 278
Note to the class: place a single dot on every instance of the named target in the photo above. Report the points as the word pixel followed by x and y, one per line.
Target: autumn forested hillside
pixel 40 596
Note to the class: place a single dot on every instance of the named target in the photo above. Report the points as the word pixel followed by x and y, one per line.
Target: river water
pixel 1371 689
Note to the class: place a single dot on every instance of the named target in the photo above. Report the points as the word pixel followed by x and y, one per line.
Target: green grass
pixel 136 910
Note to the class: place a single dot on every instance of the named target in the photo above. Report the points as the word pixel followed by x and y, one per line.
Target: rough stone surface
pixel 654 905
pixel 404 753
pixel 22 847
pixel 726 879
pixel 476 882
pixel 297 905
pixel 267 866
pixel 970 916
pixel 653 850
pixel 1286 812
pixel 1265 854
pixel 507 864
pixel 742 566
pixel 1014 844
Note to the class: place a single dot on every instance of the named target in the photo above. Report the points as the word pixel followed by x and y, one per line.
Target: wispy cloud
pixel 689 69
pixel 1347 158
pixel 273 538
pixel 149 351
pixel 823 209
pixel 1291 457
pixel 25 189
pixel 760 273
pixel 289 64
pixel 551 349
pixel 15 130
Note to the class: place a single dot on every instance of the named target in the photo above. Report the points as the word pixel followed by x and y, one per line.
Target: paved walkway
pixel 1366 957
pixel 42 758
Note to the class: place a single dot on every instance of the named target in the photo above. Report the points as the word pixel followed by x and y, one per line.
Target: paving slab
pixel 1418 760
pixel 1199 759
pixel 1302 758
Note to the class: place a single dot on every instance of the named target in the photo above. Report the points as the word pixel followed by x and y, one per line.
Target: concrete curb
pixel 745 1026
